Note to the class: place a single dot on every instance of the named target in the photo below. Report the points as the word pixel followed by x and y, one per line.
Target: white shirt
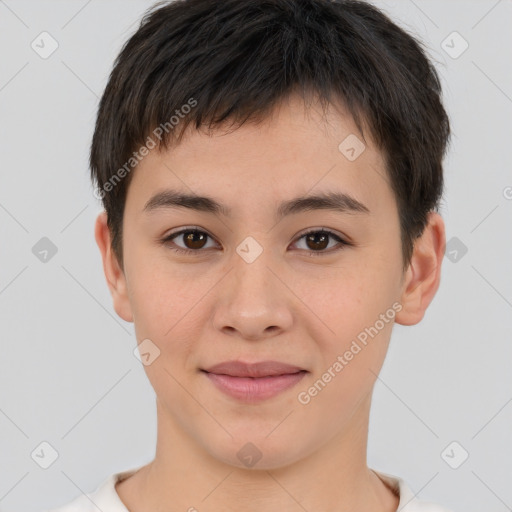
pixel 106 499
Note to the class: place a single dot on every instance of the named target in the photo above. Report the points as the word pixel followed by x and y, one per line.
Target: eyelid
pixel 322 229
pixel 181 229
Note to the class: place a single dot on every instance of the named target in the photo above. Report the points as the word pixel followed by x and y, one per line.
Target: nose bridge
pixel 251 278
pixel 252 300
pixel 251 270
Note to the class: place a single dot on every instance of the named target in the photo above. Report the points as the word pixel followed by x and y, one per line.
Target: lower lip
pixel 248 389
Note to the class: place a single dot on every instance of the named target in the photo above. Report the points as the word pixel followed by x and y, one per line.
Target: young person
pixel 271 172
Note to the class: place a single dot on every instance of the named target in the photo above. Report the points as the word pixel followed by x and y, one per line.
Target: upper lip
pixel 260 369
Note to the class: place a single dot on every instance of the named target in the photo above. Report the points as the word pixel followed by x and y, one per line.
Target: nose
pixel 252 301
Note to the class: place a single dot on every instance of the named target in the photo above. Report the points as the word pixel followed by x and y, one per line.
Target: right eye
pixel 193 237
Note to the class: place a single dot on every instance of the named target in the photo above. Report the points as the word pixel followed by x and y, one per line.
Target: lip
pixel 260 369
pixel 254 382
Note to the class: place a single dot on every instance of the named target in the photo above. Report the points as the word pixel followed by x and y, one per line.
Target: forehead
pixel 293 151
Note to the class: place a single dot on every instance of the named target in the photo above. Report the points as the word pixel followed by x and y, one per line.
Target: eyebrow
pixel 340 202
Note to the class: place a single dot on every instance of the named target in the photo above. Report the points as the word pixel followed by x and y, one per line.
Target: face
pixel 315 285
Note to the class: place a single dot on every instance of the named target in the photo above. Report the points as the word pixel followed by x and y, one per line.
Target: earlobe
pixel 114 275
pixel 424 273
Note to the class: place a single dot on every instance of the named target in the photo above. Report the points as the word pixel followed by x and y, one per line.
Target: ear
pixel 113 273
pixel 424 273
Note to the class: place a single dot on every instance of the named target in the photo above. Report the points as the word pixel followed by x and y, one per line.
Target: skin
pixel 287 306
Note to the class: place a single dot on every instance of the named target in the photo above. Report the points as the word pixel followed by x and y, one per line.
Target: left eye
pixel 195 240
pixel 318 240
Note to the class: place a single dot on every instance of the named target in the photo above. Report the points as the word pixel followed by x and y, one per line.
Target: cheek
pixel 354 314
pixel 345 301
pixel 166 306
pixel 161 292
pixel 170 307
pixel 346 373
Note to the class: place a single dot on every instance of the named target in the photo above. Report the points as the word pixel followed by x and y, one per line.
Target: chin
pixel 258 452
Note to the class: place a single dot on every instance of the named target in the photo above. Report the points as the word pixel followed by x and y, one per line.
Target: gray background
pixel 68 375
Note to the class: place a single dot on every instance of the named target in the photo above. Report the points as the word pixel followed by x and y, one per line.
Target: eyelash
pixel 196 252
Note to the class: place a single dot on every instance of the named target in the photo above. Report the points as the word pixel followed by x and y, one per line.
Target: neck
pixel 185 476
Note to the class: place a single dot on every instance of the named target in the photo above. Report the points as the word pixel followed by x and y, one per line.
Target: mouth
pixel 255 382
pixel 255 370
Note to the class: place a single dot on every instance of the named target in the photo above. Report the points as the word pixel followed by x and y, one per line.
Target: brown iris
pixel 319 240
pixel 195 238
